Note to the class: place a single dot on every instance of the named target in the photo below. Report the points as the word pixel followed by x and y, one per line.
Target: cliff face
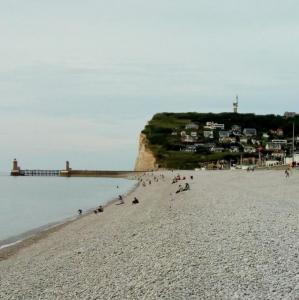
pixel 146 161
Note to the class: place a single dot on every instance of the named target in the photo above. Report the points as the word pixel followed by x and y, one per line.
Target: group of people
pixel 183 189
pixel 147 179
pixel 99 209
pixel 179 177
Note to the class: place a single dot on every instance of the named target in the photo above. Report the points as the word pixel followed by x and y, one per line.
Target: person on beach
pixel 187 187
pixel 179 190
pixel 120 198
pixel 80 211
pixel 101 208
pixel 95 211
pixel 287 174
pixel 135 201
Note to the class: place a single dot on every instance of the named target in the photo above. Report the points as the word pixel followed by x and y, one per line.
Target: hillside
pixel 193 140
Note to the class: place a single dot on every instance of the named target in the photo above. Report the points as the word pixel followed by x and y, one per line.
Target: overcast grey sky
pixel 79 79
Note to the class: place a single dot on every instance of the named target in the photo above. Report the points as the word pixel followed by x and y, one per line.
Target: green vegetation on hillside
pixel 164 135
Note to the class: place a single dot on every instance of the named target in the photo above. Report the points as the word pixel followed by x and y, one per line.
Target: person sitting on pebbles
pixel 101 208
pixel 187 187
pixel 180 189
pixel 135 201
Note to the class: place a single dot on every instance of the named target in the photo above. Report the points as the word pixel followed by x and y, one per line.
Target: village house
pixel 233 140
pixel 227 140
pixel 174 133
pixel 223 134
pixel 243 140
pixel 249 132
pixel 249 149
pixel 208 134
pixel 216 149
pixel 279 154
pixel 192 126
pixel 183 133
pixel 212 126
pixel 273 146
pixel 234 149
pixel 289 114
pixel 190 148
pixel 188 139
pixel 277 132
pixel 265 135
pixel 236 128
pixel 193 134
pixel 280 142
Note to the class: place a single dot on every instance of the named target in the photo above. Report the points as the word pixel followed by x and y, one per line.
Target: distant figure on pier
pixel 80 211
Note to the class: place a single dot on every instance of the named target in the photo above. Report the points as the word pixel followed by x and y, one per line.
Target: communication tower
pixel 236 105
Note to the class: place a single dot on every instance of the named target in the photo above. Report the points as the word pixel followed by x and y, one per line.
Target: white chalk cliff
pixel 146 160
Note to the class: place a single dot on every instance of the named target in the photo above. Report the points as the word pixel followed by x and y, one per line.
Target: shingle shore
pixel 234 235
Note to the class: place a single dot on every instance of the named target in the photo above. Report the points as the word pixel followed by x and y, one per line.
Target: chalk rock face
pixel 146 160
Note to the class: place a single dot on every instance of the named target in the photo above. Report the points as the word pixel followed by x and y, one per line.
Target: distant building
pixel 217 149
pixel 280 142
pixel 288 114
pixel 212 126
pixel 249 149
pixel 243 140
pixel 234 149
pixel 191 148
pixel 249 132
pixel 223 134
pixel 273 146
pixel 236 130
pixel 188 139
pixel 266 135
pixel 193 134
pixel 277 132
pixel 208 134
pixel 192 126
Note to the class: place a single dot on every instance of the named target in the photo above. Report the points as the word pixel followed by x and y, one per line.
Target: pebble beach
pixel 233 235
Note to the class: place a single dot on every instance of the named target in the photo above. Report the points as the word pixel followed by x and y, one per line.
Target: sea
pixel 31 204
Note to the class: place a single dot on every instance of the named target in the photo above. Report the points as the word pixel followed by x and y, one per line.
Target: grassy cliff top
pixel 167 147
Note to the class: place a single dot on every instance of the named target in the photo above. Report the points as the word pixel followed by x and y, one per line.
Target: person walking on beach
pixel 80 212
pixel 120 198
pixel 287 174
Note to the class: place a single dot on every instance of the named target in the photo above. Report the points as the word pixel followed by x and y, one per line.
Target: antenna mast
pixel 236 105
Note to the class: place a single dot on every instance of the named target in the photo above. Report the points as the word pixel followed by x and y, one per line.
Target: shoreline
pixel 14 244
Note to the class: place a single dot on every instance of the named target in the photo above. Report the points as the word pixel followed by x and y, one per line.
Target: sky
pixel 80 79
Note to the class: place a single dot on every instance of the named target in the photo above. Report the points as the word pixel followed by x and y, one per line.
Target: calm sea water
pixel 27 203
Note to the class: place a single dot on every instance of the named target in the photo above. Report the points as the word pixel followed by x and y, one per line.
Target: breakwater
pixel 69 172
pixel 98 173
